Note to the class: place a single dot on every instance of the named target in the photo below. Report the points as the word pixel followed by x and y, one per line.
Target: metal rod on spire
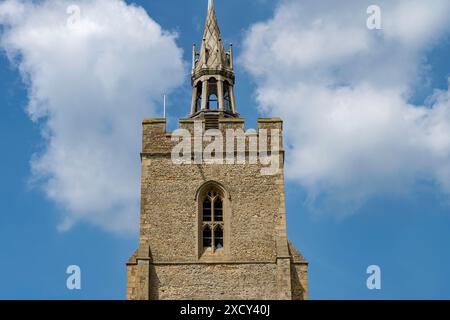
pixel 210 4
pixel 194 56
pixel 231 56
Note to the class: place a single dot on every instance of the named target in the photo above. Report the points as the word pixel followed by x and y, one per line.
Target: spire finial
pixel 210 5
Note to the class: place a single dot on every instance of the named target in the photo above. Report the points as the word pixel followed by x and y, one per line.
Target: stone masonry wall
pixel 214 281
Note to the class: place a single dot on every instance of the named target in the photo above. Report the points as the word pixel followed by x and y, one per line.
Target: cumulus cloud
pixel 94 69
pixel 353 127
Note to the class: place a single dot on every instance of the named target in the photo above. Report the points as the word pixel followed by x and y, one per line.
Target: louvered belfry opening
pixel 211 121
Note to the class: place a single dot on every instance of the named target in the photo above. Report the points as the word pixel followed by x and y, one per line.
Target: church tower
pixel 213 218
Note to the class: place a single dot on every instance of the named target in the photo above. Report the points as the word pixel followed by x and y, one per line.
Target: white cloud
pixel 91 82
pixel 345 93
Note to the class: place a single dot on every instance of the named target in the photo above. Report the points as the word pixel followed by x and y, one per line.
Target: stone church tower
pixel 214 229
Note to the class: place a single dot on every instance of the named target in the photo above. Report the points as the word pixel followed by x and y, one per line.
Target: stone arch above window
pixel 212 186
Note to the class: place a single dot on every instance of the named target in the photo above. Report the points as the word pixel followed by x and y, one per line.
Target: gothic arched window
pixel 212 220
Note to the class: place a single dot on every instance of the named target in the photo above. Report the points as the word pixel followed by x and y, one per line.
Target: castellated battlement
pixel 156 140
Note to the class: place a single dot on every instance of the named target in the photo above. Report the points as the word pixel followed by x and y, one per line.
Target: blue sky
pixel 400 221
